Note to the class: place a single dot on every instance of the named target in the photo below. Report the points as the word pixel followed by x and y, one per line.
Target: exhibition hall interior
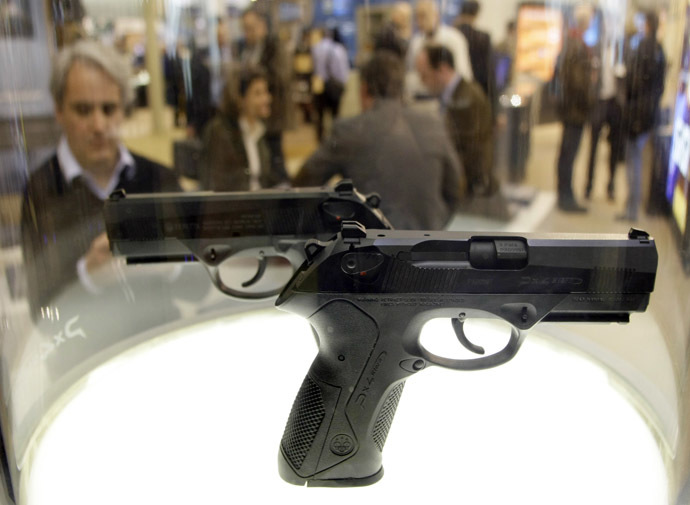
pixel 246 244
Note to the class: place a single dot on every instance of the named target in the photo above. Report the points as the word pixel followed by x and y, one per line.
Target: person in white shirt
pixel 236 155
pixel 432 31
pixel 331 72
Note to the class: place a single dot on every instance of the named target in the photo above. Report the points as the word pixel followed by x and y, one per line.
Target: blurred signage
pixel 289 12
pixel 336 7
pixel 677 187
pixel 539 40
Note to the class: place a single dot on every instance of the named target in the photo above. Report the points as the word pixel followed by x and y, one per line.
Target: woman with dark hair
pixel 236 155
pixel 644 85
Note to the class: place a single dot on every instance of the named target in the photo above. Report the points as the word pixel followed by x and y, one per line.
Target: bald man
pixel 395 35
pixel 432 31
pixel 401 17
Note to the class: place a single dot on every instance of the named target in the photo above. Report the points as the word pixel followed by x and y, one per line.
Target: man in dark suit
pixel 467 116
pixel 403 154
pixel 577 77
pixel 261 50
pixel 63 237
pixel 481 52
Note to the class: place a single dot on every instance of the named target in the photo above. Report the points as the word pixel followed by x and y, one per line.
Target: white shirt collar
pixel 250 138
pixel 71 169
pixel 255 132
pixel 447 94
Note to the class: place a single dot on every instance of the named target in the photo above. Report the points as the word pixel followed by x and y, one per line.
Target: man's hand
pixel 98 254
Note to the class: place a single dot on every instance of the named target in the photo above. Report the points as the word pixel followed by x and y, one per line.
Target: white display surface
pixel 197 416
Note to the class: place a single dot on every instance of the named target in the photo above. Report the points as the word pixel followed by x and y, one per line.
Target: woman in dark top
pixel 236 156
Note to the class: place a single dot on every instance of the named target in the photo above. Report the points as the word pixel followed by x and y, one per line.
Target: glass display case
pixel 203 202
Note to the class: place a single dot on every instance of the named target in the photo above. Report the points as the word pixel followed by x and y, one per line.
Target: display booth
pixel 188 345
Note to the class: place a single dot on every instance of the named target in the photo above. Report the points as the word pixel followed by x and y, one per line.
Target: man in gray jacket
pixel 403 154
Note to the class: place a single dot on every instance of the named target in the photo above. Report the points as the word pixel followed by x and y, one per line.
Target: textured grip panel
pixel 305 419
pixel 385 419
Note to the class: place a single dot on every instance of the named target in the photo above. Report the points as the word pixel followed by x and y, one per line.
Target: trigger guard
pixel 288 251
pixel 506 354
pixel 214 273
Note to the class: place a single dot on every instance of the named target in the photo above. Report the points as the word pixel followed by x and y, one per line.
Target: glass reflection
pixel 492 115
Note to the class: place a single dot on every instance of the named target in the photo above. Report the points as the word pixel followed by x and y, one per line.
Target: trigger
pixel 259 273
pixel 458 325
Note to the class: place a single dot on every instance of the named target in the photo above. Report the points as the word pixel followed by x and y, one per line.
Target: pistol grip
pixel 340 419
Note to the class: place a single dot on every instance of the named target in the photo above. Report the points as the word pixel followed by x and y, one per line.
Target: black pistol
pixel 368 293
pixel 213 228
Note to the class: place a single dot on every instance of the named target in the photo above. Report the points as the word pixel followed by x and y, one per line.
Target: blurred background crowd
pixel 415 101
pixel 507 70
